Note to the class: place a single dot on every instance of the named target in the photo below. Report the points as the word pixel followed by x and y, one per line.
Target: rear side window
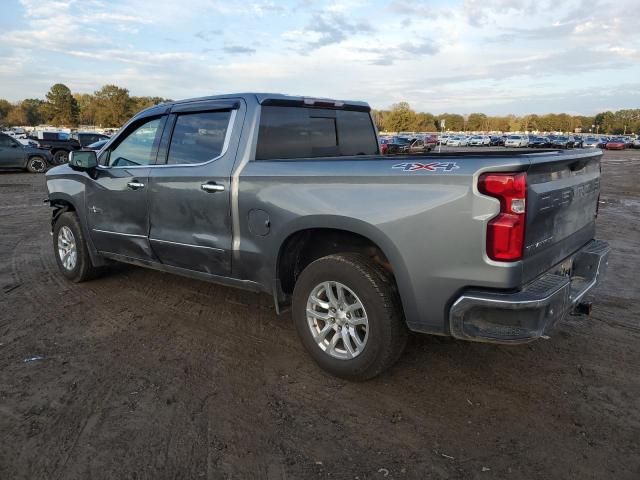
pixel 356 133
pixel 198 137
pixel 299 132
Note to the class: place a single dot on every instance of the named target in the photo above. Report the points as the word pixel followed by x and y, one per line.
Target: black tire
pixel 37 164
pixel 386 331
pixel 82 269
pixel 61 157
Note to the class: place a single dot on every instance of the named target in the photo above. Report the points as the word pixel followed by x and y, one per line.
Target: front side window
pixel 139 146
pixel 198 137
pixel 5 141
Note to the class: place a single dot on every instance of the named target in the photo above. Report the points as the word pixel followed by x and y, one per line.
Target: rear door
pixel 562 200
pixel 189 195
pixel 116 198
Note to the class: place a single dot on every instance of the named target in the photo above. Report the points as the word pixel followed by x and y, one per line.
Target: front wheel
pixel 36 164
pixel 348 315
pixel 70 248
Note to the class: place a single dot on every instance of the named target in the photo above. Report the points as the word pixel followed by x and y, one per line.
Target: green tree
pixel 453 121
pixel 605 122
pixel 477 122
pixel 425 122
pixel 5 108
pixel 16 116
pixel 113 106
pixel 87 107
pixel 140 103
pixel 61 108
pixel 33 111
pixel 401 118
pixel 379 118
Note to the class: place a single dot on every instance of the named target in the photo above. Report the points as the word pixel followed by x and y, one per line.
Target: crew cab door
pixel 189 192
pixel 11 152
pixel 116 198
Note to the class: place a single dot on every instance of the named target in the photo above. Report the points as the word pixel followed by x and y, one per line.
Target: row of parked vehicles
pixel 541 141
pixel 43 149
pixel 420 143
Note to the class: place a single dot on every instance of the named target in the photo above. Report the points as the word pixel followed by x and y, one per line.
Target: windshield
pixel 403 141
pixel 514 137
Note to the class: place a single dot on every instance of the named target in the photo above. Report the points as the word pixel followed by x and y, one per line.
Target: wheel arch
pixel 62 202
pixel 323 235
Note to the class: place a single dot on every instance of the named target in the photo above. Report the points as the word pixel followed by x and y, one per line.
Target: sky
pixel 491 56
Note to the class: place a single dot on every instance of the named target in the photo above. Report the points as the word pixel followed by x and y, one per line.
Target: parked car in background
pixel 87 138
pixel 58 143
pixel 636 143
pixel 539 142
pixel 578 141
pixel 418 145
pixel 591 142
pixel 562 141
pixel 618 143
pixel 382 142
pixel 431 139
pixel 517 141
pixel 479 141
pixel 458 141
pixel 496 141
pixel 602 143
pixel 14 154
pixel 399 144
pixel 101 143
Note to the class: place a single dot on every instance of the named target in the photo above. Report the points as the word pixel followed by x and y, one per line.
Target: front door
pixel 116 198
pixel 189 196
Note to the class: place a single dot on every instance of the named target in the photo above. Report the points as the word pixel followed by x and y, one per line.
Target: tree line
pixel 401 118
pixel 111 106
pixel 108 107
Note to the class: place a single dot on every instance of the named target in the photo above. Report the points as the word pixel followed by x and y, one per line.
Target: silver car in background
pixel 517 141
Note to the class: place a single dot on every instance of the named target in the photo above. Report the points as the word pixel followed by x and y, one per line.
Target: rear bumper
pixel 523 316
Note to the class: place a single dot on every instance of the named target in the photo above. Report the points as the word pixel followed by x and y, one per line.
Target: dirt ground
pixel 145 375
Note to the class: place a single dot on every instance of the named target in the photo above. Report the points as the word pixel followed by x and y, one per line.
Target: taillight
pixel 505 232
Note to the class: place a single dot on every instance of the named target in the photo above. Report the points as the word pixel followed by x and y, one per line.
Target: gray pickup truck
pixel 290 196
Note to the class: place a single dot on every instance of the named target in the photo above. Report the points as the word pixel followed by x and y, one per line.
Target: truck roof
pixel 275 99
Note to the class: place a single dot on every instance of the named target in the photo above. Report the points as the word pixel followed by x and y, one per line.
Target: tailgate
pixel 562 200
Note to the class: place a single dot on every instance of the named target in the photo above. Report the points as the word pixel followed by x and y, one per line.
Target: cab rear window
pixel 300 132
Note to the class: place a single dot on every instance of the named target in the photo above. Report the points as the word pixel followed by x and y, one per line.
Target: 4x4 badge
pixel 431 167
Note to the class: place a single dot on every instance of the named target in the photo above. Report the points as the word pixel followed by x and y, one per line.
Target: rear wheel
pixel 60 157
pixel 348 315
pixel 70 248
pixel 37 164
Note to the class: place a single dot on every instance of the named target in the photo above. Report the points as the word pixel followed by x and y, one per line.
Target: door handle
pixel 212 187
pixel 134 185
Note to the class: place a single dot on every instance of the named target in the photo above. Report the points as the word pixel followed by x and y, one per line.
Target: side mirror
pixel 83 160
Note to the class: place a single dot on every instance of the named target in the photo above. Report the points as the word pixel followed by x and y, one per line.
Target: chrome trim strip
pixel 225 147
pixel 219 250
pixel 119 233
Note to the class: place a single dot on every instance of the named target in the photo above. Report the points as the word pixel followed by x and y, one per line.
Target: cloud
pixel 423 47
pixel 238 49
pixel 207 35
pixel 325 29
